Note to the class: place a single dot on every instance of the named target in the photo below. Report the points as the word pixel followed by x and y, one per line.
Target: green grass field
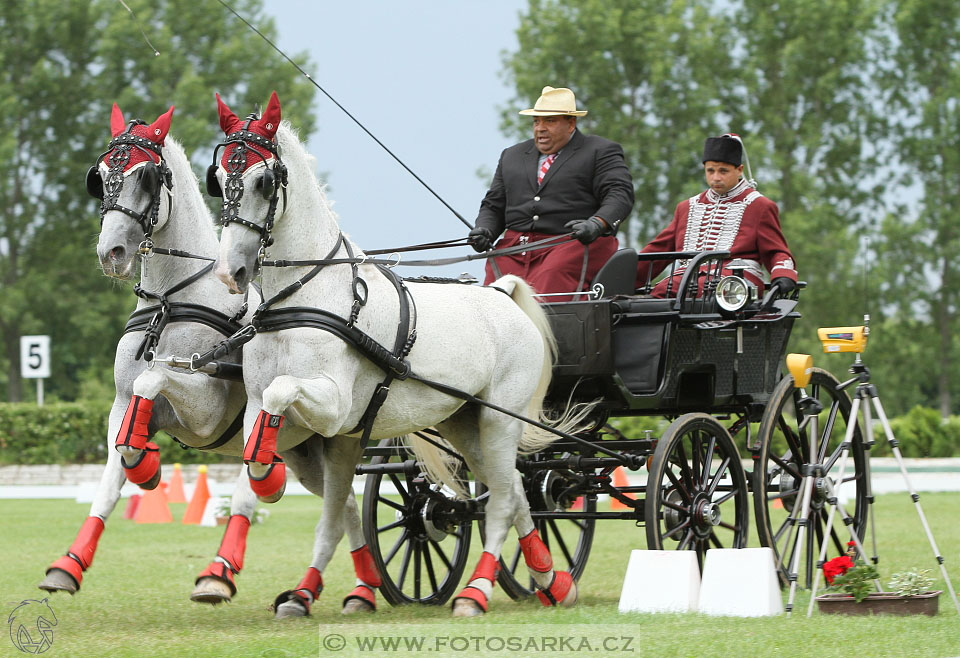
pixel 134 600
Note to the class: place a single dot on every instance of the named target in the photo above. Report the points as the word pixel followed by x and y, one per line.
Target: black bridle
pixel 269 184
pixel 152 177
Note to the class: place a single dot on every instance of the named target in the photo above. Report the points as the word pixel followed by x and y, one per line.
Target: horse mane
pixel 186 179
pixel 299 160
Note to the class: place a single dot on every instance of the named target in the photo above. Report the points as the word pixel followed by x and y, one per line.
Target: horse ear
pixel 158 129
pixel 117 123
pixel 271 116
pixel 229 122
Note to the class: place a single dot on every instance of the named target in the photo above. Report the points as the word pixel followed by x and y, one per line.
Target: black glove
pixel 785 285
pixel 481 238
pixel 586 230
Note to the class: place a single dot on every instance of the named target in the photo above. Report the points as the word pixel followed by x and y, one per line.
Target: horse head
pixel 249 176
pixel 129 178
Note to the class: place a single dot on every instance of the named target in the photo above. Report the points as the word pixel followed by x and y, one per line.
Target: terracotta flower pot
pixel 889 603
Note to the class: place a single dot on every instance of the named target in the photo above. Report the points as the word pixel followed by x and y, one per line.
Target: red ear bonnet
pixel 265 126
pixel 155 132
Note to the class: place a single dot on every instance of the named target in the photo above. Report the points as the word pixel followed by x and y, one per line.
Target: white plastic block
pixel 740 582
pixel 209 517
pixel 661 581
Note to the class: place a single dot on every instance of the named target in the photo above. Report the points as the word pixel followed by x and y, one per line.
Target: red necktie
pixel 545 167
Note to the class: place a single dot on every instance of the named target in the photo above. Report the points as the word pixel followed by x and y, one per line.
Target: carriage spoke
pixel 687 537
pixel 707 460
pixel 788 466
pixel 405 564
pixel 390 503
pixel 727 496
pixel 401 488
pixel 680 487
pixel 560 543
pixel 719 476
pixel 438 549
pixel 396 547
pixel 417 556
pixel 391 526
pixel 428 563
pixel 729 526
pixel 683 526
pixel 716 540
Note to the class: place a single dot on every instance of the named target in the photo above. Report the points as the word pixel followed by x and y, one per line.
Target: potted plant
pixel 854 593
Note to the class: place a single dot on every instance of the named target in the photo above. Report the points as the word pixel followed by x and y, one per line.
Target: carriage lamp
pixel 734 292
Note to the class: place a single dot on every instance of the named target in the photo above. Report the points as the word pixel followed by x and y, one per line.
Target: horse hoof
pixel 291 608
pixel 59 580
pixel 152 483
pixel 212 591
pixel 274 497
pixel 354 606
pixel 466 608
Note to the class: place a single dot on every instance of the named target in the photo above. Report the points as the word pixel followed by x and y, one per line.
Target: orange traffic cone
pixel 198 502
pixel 175 488
pixel 778 503
pixel 619 481
pixel 153 507
pixel 132 503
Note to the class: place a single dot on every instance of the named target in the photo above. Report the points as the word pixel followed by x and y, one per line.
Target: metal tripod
pixel 863 395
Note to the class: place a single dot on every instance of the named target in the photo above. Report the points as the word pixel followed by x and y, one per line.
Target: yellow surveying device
pixel 844 339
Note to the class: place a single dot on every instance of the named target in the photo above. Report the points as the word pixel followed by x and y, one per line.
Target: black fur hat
pixel 726 148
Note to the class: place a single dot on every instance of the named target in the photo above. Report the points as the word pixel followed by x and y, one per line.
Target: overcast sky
pixel 424 77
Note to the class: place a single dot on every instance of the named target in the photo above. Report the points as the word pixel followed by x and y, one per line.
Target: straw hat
pixel 555 102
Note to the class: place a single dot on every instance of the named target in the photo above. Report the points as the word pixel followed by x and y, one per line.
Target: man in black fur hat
pixel 730 215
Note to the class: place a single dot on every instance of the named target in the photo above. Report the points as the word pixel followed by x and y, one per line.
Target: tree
pixel 655 76
pixel 923 238
pixel 64 62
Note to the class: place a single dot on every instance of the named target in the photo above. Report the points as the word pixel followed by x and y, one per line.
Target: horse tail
pixel 439 463
pixel 572 418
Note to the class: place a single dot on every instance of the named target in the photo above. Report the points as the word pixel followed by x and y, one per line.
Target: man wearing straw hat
pixel 729 216
pixel 560 183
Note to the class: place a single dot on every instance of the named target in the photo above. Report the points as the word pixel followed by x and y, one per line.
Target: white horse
pixel 152 205
pixel 494 343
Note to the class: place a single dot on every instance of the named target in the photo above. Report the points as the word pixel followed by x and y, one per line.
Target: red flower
pixel 835 567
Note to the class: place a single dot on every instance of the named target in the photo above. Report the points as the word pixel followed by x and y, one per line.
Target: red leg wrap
pixel 219 571
pixel 364 567
pixel 272 480
pixel 69 564
pixel 234 543
pixel 307 591
pixel 487 568
pixel 143 470
pixel 133 431
pixel 535 553
pixel 558 590
pixel 261 447
pixel 363 593
pixel 85 545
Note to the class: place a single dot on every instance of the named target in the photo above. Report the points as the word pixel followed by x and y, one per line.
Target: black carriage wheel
pixel 569 540
pixel 778 476
pixel 419 549
pixel 696 496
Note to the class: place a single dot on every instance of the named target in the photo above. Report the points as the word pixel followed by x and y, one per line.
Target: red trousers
pixel 554 269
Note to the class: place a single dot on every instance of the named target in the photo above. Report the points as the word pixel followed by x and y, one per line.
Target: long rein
pixel 394 363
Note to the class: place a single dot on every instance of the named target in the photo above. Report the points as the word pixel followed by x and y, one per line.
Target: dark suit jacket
pixel 589 177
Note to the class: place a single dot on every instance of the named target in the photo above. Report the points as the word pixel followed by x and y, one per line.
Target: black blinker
pixel 94 183
pixel 267 184
pixel 149 178
pixel 213 185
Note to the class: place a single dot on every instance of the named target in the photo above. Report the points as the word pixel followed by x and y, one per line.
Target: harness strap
pixel 232 430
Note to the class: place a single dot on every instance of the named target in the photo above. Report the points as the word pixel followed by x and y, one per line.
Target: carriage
pixel 706 356
pixel 708 359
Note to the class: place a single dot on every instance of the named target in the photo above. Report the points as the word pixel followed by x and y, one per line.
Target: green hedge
pixel 73 433
pixel 76 433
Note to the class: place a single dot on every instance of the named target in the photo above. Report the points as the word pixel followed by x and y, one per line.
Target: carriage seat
pixel 619 274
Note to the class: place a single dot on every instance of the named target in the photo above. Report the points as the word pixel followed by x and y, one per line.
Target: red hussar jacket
pixel 742 221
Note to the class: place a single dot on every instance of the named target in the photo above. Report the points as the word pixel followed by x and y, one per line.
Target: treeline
pixel 849 110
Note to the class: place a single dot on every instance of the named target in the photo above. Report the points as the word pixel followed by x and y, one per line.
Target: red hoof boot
pixel 145 472
pixel 361 599
pixel 273 480
pixel 562 591
pixel 306 593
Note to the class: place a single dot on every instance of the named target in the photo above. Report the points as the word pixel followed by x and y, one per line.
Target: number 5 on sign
pixel 35 361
